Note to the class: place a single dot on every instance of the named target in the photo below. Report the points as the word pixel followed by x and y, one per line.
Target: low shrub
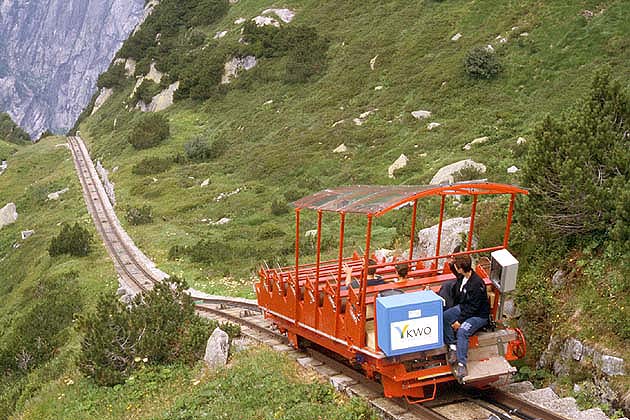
pixel 481 63
pixel 279 207
pixel 269 231
pixel 149 131
pixel 467 173
pixel 114 77
pixel 160 326
pixel 200 149
pixel 146 91
pixel 139 215
pixel 74 240
pixel 152 165
pixel 10 131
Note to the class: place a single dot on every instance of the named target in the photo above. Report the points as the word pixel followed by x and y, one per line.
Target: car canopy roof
pixel 379 199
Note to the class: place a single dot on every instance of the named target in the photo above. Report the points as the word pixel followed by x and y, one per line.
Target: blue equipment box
pixel 409 322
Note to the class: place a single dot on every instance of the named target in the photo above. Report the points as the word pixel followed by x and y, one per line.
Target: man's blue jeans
pixel 466 329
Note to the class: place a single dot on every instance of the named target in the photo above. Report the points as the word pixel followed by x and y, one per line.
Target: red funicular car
pixel 365 323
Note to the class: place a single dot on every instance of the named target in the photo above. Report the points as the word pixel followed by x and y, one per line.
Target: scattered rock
pixel 55 195
pixel 217 349
pixel 373 62
pixel 269 102
pixel 205 182
pixel 239 21
pixel 154 74
pixel 399 163
pixel 161 101
pixel 240 344
pixel 105 94
pixel 512 169
pixel 378 87
pixel 310 233
pixel 587 14
pixel 609 365
pixel 501 39
pixel 336 123
pixel 521 140
pixel 27 233
pixel 524 34
pixel 489 48
pixel 220 34
pixel 285 15
pixel 221 221
pixel 558 280
pixel 8 215
pixel 236 64
pixel 362 117
pixel 433 125
pixel 452 233
pixel 3 164
pixel 341 148
pixel 445 174
pixel 456 37
pixel 265 21
pixel 478 140
pixel 421 114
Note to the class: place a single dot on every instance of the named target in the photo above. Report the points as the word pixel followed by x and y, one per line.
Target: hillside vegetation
pixel 243 151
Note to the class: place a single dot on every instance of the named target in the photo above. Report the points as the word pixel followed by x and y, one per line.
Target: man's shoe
pixel 460 372
pixel 451 357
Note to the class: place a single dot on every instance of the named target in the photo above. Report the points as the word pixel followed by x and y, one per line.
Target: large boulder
pixel 235 65
pixel 399 163
pixel 8 215
pixel 453 230
pixel 217 349
pixel 445 174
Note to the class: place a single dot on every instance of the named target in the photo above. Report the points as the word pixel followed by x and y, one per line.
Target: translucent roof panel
pixel 379 199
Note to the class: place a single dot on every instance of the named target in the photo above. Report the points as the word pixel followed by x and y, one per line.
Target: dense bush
pixel 578 169
pixel 279 207
pixel 149 131
pixel 304 48
pixel 139 215
pixel 35 335
pixel 159 327
pixel 74 240
pixel 146 91
pixel 481 63
pixel 114 77
pixel 152 165
pixel 270 231
pixel 467 173
pixel 10 131
pixel 200 149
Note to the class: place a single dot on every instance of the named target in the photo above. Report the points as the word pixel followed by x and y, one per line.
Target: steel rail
pixel 126 261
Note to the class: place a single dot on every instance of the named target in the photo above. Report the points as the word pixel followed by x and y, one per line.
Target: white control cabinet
pixel 503 270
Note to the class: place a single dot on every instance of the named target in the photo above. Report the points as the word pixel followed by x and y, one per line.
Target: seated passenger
pixel 449 292
pixel 469 315
pixel 402 270
pixel 372 278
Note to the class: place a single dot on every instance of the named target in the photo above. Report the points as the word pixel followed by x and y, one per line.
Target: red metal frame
pixel 311 301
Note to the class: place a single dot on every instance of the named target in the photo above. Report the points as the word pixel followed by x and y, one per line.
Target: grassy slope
pixel 287 145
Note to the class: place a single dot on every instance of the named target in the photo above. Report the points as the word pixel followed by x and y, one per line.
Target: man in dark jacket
pixel 464 319
pixel 450 290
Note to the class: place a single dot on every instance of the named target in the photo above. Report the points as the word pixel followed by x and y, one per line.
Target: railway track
pixel 137 274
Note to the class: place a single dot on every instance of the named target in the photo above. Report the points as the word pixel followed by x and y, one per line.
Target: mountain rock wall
pixel 51 53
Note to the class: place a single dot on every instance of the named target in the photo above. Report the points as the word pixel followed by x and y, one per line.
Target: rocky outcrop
pixel 52 52
pixel 453 230
pixel 8 215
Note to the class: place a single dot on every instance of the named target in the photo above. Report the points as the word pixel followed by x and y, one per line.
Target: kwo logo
pixel 405 332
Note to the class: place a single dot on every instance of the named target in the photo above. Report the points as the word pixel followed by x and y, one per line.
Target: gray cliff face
pixel 51 53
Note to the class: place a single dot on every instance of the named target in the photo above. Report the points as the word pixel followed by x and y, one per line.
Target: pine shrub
pixel 139 215
pixel 146 91
pixel 149 131
pixel 114 77
pixel 152 165
pixel 200 149
pixel 74 240
pixel 159 326
pixel 481 63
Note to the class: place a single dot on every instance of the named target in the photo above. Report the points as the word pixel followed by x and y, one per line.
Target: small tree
pixel 149 131
pixel 74 240
pixel 481 63
pixel 578 168
pixel 200 149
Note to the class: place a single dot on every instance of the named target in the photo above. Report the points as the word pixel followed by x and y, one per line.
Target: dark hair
pixel 371 267
pixel 402 269
pixel 464 262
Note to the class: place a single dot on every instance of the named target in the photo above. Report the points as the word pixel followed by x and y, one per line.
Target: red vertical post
pixel 473 212
pixel 297 264
pixel 319 242
pixel 413 229
pixel 439 234
pixel 508 223
pixel 338 287
pixel 363 290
